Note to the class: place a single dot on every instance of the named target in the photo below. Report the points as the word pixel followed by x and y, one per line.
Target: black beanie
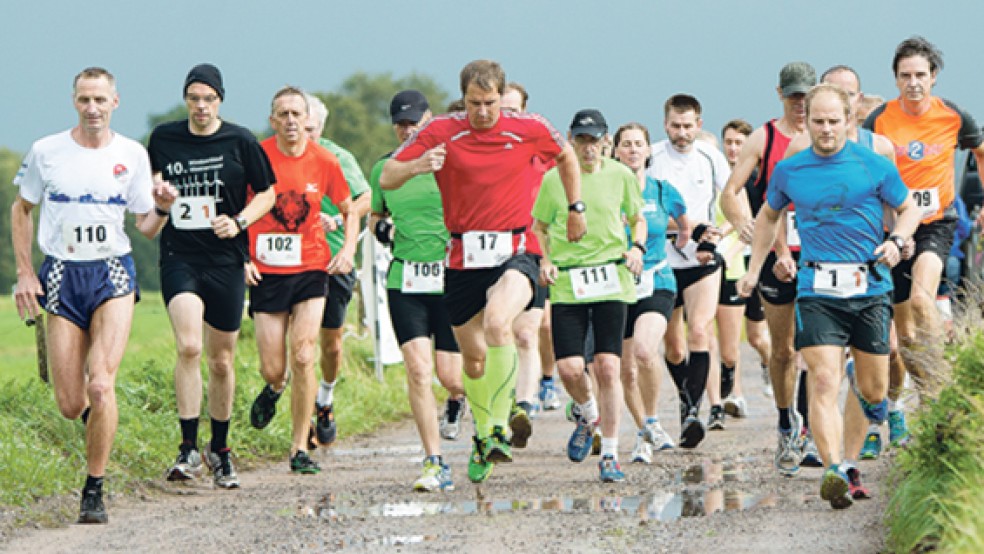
pixel 208 74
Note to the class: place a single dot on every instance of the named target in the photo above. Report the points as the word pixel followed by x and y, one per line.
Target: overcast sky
pixel 622 57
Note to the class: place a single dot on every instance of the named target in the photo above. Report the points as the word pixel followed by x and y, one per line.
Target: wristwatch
pixel 899 241
pixel 242 222
pixel 577 207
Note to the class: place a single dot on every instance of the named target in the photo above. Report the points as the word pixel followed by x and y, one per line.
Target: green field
pixel 150 335
pixel 42 454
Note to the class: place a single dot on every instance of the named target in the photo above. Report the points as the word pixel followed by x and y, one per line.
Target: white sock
pixel 609 447
pixel 895 405
pixel 326 393
pixel 873 428
pixel 589 410
pixel 652 420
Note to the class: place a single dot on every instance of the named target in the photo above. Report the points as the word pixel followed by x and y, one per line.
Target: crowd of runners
pixel 519 251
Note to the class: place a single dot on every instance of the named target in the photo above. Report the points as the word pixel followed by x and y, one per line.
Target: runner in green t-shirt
pixel 411 219
pixel 339 286
pixel 591 279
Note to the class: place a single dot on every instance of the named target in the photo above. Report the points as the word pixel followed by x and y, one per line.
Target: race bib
pixel 279 249
pixel 595 282
pixel 486 248
pixel 422 277
pixel 644 283
pixel 193 212
pixel 792 230
pixel 927 201
pixel 840 280
pixel 88 240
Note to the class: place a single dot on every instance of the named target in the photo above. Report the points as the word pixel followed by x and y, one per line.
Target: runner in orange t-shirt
pixel 289 266
pixel 926 131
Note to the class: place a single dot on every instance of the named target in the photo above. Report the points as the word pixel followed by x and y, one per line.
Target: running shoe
pixel 522 427
pixel 435 476
pixel 324 425
pixel 735 406
pixel 549 398
pixel 572 412
pixel 692 430
pixel 479 468
pixel 581 441
pixel 872 446
pixel 92 509
pixel 715 422
pixel 835 488
pixel 854 486
pixel 655 435
pixel 766 381
pixel 787 459
pixel 264 408
pixel 643 451
pixel 496 446
pixel 876 413
pixel 898 432
pixel 187 466
pixel 610 471
pixel 223 472
pixel 303 464
pixel 454 412
pixel 811 456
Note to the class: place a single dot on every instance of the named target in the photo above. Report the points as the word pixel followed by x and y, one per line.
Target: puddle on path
pixel 661 506
pixel 712 473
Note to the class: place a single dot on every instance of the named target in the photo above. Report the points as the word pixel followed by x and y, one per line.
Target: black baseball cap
pixel 589 122
pixel 208 74
pixel 408 105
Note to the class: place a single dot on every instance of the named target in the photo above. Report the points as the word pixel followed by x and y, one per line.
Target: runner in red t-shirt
pixel 481 160
pixel 289 266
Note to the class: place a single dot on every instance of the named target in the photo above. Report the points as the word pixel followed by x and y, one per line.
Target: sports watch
pixel 577 207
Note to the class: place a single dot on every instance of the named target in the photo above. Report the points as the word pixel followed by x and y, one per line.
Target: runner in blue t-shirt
pixel 839 189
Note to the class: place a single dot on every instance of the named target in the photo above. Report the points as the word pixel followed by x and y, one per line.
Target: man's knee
pixel 190 351
pixel 331 341
pixel 527 338
pixel 100 391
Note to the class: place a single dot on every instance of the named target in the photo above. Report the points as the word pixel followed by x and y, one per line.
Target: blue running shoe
pixel 610 471
pixel 835 488
pixel 876 413
pixel 579 446
pixel 872 446
pixel 549 398
pixel 898 433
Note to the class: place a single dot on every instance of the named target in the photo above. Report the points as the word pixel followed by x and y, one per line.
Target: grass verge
pixel 939 495
pixel 42 455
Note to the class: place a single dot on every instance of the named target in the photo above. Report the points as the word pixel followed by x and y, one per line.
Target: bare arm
pixel 548 271
pixel 363 204
pixel 341 263
pixel 395 173
pixel 570 176
pixel 164 193
pixel 766 225
pixel 22 236
pixel 734 199
pixel 633 257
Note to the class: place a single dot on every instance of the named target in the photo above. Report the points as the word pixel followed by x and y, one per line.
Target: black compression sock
pixel 785 423
pixel 189 432
pixel 727 380
pixel 697 370
pixel 220 435
pixel 802 400
pixel 85 415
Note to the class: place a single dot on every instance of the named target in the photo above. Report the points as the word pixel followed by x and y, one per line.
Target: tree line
pixel 359 121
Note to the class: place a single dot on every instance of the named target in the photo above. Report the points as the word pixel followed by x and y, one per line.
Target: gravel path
pixel 724 496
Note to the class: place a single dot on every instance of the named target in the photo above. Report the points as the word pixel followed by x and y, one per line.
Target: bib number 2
pixel 194 212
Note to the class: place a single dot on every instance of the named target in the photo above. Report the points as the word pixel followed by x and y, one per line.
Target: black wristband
pixel 642 247
pixel 160 212
pixel 706 246
pixel 382 232
pixel 698 231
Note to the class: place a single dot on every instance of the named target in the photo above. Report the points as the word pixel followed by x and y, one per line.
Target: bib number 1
pixel 840 280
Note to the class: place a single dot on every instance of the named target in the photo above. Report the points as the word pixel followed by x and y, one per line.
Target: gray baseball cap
pixel 797 77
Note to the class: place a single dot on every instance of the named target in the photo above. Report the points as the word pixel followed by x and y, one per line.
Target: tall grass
pixel 939 499
pixel 42 454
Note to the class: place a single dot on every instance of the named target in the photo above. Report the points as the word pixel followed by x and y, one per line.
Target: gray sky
pixel 622 57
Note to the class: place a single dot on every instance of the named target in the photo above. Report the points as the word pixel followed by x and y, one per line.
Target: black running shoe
pixel 302 463
pixel 325 426
pixel 264 408
pixel 93 510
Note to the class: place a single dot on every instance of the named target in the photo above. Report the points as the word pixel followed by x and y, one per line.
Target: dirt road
pixel 724 496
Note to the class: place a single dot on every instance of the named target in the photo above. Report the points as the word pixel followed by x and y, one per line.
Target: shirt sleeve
pixel 421 141
pixel 353 173
pixel 29 178
pixel 140 199
pixel 675 205
pixel 336 187
pixel 632 197
pixel 969 136
pixel 775 195
pixel 259 172
pixel 378 203
pixel 722 171
pixel 544 208
pixel 549 141
pixel 893 190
